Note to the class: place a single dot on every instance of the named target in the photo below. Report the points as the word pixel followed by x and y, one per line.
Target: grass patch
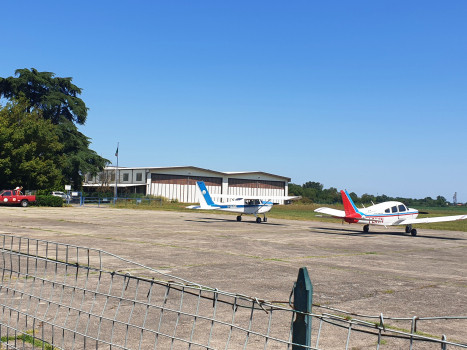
pixel 27 338
pixel 299 211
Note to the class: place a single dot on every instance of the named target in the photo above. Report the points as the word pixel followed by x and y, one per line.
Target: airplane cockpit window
pixel 394 209
pixel 402 208
pixel 387 210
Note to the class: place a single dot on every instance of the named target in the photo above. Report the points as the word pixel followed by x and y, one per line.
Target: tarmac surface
pixel 384 271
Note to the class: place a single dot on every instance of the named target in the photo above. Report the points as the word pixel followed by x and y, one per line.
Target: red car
pixel 15 197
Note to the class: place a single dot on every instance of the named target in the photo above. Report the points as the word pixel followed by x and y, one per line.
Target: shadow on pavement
pixel 351 232
pixel 212 220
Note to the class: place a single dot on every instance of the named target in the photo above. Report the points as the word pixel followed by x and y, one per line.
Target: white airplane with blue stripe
pixel 252 205
pixel 384 214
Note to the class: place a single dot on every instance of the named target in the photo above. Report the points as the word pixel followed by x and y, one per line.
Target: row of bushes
pixel 48 201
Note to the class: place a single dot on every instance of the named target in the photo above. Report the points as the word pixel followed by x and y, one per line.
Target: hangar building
pixel 180 182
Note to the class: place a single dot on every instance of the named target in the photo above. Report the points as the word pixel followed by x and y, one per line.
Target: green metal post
pixel 303 298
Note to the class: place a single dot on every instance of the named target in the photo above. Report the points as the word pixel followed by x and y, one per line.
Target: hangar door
pixel 182 187
pixel 245 187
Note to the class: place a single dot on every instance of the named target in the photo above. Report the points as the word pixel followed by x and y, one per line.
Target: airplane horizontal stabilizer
pixel 330 211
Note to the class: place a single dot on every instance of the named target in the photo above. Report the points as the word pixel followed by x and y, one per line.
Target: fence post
pixel 303 298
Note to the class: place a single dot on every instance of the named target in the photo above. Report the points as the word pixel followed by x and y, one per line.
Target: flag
pixel 116 152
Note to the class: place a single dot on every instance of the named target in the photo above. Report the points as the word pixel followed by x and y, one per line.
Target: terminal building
pixel 179 182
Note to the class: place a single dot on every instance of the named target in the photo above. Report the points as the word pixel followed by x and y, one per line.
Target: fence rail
pixel 61 296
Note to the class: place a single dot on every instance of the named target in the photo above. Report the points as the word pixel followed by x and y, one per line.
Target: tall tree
pixel 30 152
pixel 54 96
pixel 57 99
pixel 80 159
pixel 311 184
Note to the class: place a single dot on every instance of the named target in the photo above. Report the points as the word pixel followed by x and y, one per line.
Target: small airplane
pixel 383 214
pixel 253 205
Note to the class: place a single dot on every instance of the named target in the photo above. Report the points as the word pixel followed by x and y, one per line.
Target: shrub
pixel 48 201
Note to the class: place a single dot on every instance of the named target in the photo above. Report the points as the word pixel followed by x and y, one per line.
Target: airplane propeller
pixel 423 212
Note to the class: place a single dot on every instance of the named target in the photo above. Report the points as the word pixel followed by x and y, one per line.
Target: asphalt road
pixel 384 271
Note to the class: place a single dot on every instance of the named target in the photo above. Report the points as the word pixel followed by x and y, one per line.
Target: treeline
pixel 314 192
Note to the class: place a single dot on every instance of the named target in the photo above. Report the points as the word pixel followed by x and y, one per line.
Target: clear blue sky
pixel 370 96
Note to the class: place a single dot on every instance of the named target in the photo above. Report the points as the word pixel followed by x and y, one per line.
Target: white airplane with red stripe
pixel 384 214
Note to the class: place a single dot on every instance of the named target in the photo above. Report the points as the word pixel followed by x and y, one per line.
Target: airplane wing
pixel 431 220
pixel 330 211
pixel 256 197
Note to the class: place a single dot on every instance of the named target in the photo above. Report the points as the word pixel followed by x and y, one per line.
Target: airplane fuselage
pixel 245 207
pixel 384 214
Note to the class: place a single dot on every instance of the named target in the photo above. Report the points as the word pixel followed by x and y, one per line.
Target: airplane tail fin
pixel 350 209
pixel 205 199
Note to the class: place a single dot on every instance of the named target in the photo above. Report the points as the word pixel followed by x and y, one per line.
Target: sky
pixel 368 96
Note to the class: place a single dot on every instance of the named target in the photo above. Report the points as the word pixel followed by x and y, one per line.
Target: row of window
pixel 271 185
pixel 126 176
pixel 402 208
pixel 102 177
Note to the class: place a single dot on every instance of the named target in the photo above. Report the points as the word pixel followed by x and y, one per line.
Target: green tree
pixel 57 99
pixel 295 190
pixel 80 159
pixel 368 198
pixel 353 196
pixel 441 201
pixel 30 152
pixel 311 193
pixel 311 184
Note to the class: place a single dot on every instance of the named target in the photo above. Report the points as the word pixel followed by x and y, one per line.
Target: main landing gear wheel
pixel 366 228
pixel 239 218
pixel 408 228
pixel 413 232
pixel 258 220
pixel 265 219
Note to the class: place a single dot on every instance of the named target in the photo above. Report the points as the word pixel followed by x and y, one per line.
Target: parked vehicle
pixel 15 197
pixel 62 195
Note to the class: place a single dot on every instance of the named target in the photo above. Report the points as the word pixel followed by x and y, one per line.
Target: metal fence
pixel 60 296
pixel 111 201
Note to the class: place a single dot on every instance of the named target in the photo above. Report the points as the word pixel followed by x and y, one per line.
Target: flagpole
pixel 116 175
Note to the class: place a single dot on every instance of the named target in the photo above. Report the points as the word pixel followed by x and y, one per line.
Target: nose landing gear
pixel 366 228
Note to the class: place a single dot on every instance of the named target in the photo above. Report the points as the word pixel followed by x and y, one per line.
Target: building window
pixel 139 176
pixel 112 177
pixel 125 177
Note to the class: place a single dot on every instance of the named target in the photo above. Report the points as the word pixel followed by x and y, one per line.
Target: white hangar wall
pixel 180 182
